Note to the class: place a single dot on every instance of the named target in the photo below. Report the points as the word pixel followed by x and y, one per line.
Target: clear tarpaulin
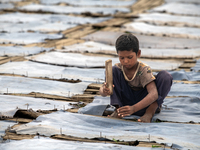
pixel 86 126
pixel 10 104
pixel 26 37
pixel 33 69
pixel 52 144
pixel 24 85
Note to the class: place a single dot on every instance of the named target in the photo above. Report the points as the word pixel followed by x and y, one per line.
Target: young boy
pixel 136 90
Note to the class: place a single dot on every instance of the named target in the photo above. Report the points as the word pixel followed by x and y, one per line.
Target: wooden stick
pixel 109 75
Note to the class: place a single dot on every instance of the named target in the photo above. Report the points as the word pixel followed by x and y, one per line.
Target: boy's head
pixel 127 42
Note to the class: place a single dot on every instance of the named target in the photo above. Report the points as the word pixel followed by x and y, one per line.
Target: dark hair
pixel 127 42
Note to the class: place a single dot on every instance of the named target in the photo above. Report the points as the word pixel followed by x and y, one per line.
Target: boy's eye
pixel 121 57
pixel 130 57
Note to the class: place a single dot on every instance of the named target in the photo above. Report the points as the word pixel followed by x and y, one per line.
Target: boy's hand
pixel 125 111
pixel 105 90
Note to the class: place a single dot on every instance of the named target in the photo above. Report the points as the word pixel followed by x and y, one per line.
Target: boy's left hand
pixel 125 111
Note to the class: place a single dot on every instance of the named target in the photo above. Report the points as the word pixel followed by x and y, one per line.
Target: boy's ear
pixel 139 53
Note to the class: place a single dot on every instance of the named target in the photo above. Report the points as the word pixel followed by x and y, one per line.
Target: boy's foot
pixel 145 118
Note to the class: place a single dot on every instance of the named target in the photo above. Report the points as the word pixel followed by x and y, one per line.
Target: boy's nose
pixel 125 60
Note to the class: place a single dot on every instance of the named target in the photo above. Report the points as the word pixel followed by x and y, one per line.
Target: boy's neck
pixel 130 73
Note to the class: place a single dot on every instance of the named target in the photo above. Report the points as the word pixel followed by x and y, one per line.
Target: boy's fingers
pixel 123 109
pixel 124 114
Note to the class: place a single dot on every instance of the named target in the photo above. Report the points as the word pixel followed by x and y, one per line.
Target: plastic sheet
pixel 110 3
pixel 6 1
pixel 51 18
pixel 33 69
pixel 197 66
pixel 181 89
pixel 78 125
pixel 184 32
pixel 95 47
pixel 70 9
pixel 91 47
pixel 70 59
pixel 179 109
pixel 27 85
pixel 10 104
pixel 52 144
pixel 183 1
pixel 170 53
pixel 36 27
pixel 109 38
pixel 21 51
pixel 167 19
pixel 6 6
pixel 179 8
pixel 3 126
pixel 183 75
pixel 26 38
pixel 97 107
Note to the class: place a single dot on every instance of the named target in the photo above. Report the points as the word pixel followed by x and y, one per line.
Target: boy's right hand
pixel 105 91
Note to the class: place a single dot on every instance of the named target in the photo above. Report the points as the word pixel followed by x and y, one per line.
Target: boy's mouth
pixel 126 66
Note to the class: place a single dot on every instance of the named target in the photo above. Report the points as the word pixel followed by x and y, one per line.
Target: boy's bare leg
pixel 149 113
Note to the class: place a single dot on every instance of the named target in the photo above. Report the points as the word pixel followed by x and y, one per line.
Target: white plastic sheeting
pixel 170 53
pixel 10 104
pixel 26 38
pixel 146 41
pixel 95 47
pixel 3 126
pixel 32 69
pixel 35 26
pixel 111 3
pixel 179 8
pixel 91 47
pixel 6 6
pixel 70 9
pixel 21 51
pixel 140 27
pixel 6 1
pixel 52 18
pixel 183 1
pixel 167 19
pixel 85 126
pixel 52 144
pixel 27 85
pixel 70 59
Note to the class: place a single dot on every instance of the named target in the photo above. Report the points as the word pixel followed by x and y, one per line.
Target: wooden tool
pixel 109 75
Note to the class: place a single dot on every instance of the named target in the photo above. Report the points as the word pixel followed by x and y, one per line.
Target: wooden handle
pixel 109 75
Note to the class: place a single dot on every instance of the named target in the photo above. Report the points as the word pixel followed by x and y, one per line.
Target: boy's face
pixel 128 59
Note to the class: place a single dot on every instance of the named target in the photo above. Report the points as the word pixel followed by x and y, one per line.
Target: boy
pixel 136 91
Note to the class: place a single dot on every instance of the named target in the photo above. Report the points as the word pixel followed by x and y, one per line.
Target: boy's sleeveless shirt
pixel 143 75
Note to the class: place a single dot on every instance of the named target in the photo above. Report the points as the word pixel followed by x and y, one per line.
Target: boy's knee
pixel 165 76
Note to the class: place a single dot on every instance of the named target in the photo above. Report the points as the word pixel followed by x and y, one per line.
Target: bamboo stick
pixel 109 75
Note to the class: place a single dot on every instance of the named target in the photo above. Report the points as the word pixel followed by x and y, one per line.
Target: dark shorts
pixel 124 95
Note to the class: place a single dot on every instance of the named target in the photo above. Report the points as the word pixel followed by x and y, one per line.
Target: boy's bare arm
pixel 151 97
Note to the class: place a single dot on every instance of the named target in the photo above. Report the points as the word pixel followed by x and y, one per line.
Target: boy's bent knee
pixel 164 76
